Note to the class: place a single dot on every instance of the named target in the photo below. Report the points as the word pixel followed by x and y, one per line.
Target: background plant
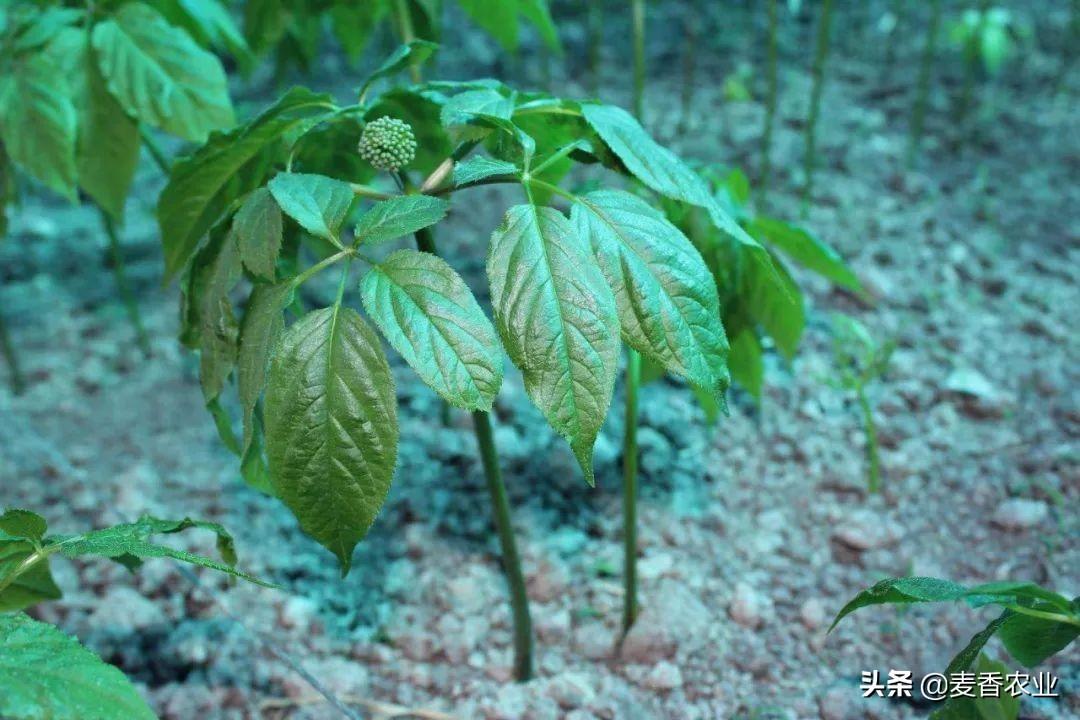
pixel 45 673
pixel 80 88
pixel 293 30
pixel 860 360
pixel 821 56
pixel 1034 625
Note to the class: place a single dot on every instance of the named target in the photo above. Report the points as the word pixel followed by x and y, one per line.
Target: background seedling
pixel 922 88
pixel 859 361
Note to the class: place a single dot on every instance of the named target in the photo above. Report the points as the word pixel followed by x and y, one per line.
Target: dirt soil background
pixel 753 533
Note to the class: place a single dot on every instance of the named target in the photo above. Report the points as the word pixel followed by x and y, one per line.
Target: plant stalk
pixel 408 34
pixel 18 384
pixel 637 8
pixel 770 104
pixel 595 39
pixel 873 462
pixel 821 55
pixel 500 506
pixel 515 580
pixel 918 113
pixel 630 470
pixel 691 18
pixel 120 273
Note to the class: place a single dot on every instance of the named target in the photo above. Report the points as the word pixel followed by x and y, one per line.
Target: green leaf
pixel 746 363
pixel 772 298
pixel 479 167
pixel 47 675
pixel 415 52
pixel 259 332
pixel 209 24
pixel 805 249
pixel 354 23
pixel 1002 707
pixel 1031 640
pixel 108 148
pixel 131 541
pixel 318 203
pixel 497 17
pixel 538 13
pixel 253 465
pixel 160 75
pixel 429 315
pixel 659 168
pixel 980 707
pixel 203 185
pixel 1020 593
pixel 668 307
pixel 901 591
pixel 399 216
pixel 37 122
pixel 23 524
pixel 258 228
pixel 558 321
pixel 217 271
pixel 223 423
pixel 485 106
pixel 331 427
pixel 33 584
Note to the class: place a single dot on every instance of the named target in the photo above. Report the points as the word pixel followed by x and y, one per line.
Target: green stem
pixel 1072 41
pixel 596 34
pixel 896 9
pixel 972 58
pixel 691 20
pixel 1055 617
pixel 872 459
pixel 29 562
pixel 918 113
pixel 317 267
pixel 770 104
pixel 637 9
pixel 120 274
pixel 515 580
pixel 821 54
pixel 18 384
pixel 630 453
pixel 405 27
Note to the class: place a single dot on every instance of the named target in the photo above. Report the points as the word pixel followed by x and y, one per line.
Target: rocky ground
pixel 753 533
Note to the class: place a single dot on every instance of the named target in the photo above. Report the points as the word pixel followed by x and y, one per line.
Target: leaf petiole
pixel 528 179
pixel 1054 617
pixel 557 156
pixel 322 264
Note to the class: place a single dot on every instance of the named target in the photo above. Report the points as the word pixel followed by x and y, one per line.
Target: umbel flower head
pixel 388 143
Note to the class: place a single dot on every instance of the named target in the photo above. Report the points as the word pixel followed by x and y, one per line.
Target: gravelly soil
pixel 753 534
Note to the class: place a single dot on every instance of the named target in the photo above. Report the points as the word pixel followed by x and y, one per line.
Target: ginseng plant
pixel 256 202
pixel 45 673
pixel 1034 625
pixel 860 360
pixel 922 87
pixel 821 56
pixel 985 38
pixel 81 87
